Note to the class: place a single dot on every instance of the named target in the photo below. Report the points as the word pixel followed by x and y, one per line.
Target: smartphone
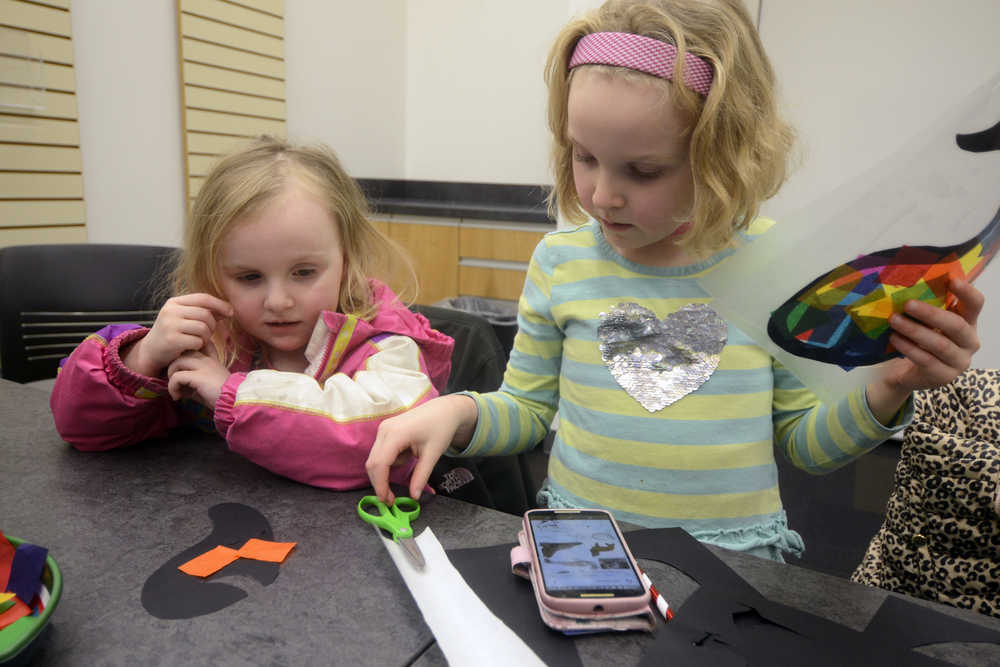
pixel 583 563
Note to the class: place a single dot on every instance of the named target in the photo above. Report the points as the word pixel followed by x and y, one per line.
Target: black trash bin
pixel 500 313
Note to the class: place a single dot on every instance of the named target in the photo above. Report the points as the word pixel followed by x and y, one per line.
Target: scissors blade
pixel 413 551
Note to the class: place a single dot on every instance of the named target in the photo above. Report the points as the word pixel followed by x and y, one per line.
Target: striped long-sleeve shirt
pixel 705 462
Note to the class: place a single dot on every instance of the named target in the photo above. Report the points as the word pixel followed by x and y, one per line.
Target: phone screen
pixel 580 554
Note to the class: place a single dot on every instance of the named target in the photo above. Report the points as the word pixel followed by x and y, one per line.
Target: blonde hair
pixel 739 144
pixel 244 181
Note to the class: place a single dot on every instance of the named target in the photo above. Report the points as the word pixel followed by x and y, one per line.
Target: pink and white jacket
pixel 315 427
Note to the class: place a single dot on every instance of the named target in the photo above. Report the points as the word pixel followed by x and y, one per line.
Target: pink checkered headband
pixel 644 54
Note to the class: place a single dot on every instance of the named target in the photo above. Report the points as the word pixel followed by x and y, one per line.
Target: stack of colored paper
pixel 21 581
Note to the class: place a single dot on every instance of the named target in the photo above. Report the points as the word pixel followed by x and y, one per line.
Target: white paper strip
pixel 465 629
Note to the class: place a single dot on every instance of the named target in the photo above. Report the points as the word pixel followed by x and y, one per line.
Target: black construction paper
pixel 735 620
pixel 726 622
pixel 170 594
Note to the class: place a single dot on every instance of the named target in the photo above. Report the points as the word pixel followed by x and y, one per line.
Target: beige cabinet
pixel 433 247
pixel 466 258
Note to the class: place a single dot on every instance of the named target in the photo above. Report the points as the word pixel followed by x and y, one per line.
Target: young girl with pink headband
pixel 667 138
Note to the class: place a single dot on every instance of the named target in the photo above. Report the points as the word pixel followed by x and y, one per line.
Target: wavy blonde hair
pixel 739 144
pixel 244 181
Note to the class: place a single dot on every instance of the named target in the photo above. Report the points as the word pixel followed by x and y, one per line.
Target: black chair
pixel 54 296
pixel 478 361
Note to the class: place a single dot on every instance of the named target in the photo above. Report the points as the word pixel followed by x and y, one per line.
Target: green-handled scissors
pixel 396 520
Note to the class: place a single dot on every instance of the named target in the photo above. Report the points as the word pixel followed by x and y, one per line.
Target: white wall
pixel 475 95
pixel 452 90
pixel 860 78
pixel 127 91
pixel 345 72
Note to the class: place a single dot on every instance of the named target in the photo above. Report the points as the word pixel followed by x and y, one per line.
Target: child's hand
pixel 184 323
pixel 425 432
pixel 197 375
pixel 937 346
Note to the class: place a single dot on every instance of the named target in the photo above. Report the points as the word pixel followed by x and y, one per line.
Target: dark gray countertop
pixel 476 201
pixel 111 519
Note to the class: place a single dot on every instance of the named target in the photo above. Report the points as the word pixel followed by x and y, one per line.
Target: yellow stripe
pixel 503 421
pixel 529 382
pixel 668 456
pixel 812 442
pixel 538 278
pixel 577 238
pixel 582 268
pixel 696 406
pixel 837 432
pixel 759 226
pixel 546 349
pixel 99 339
pixel 666 505
pixel 339 345
pixel 862 417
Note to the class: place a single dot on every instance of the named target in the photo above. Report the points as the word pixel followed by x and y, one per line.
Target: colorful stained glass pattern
pixel 842 317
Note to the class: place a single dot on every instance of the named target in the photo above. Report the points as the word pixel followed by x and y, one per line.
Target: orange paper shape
pixel 273 552
pixel 209 562
pixel 15 612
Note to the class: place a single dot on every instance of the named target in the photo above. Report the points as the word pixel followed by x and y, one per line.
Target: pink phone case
pixel 579 615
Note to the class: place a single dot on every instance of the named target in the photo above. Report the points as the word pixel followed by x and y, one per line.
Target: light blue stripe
pixel 538 330
pixel 487 434
pixel 691 525
pixel 630 289
pixel 785 380
pixel 549 397
pixel 685 482
pixel 655 429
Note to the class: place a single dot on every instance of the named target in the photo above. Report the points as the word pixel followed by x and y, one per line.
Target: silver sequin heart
pixel 659 362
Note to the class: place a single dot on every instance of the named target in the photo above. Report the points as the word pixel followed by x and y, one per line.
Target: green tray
pixel 19 634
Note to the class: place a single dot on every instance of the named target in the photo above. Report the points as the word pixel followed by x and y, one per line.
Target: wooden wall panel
pixel 41 180
pixel 232 78
pixel 31 235
pixel 492 283
pixel 50 49
pixel 499 244
pixel 434 249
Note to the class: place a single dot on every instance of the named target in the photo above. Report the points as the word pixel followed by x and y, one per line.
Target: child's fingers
pixel 939 331
pixel 177 384
pixel 199 324
pixel 211 303
pixel 970 300
pixel 421 473
pixel 928 348
pixel 377 466
pixel 930 364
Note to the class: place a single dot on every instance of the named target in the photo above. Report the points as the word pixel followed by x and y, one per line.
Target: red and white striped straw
pixel 661 604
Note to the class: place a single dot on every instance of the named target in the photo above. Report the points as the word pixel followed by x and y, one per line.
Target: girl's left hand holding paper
pixel 936 344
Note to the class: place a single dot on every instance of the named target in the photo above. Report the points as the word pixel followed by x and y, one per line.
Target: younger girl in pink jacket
pixel 277 329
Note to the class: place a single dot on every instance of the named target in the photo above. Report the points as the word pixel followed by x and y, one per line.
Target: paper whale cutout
pixel 842 317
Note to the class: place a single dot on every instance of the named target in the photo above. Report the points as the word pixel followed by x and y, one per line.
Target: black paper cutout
pixel 980 142
pixel 171 594
pixel 737 625
pixel 511 599
pixel 726 622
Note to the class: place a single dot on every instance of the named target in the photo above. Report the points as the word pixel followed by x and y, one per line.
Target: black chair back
pixel 54 296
